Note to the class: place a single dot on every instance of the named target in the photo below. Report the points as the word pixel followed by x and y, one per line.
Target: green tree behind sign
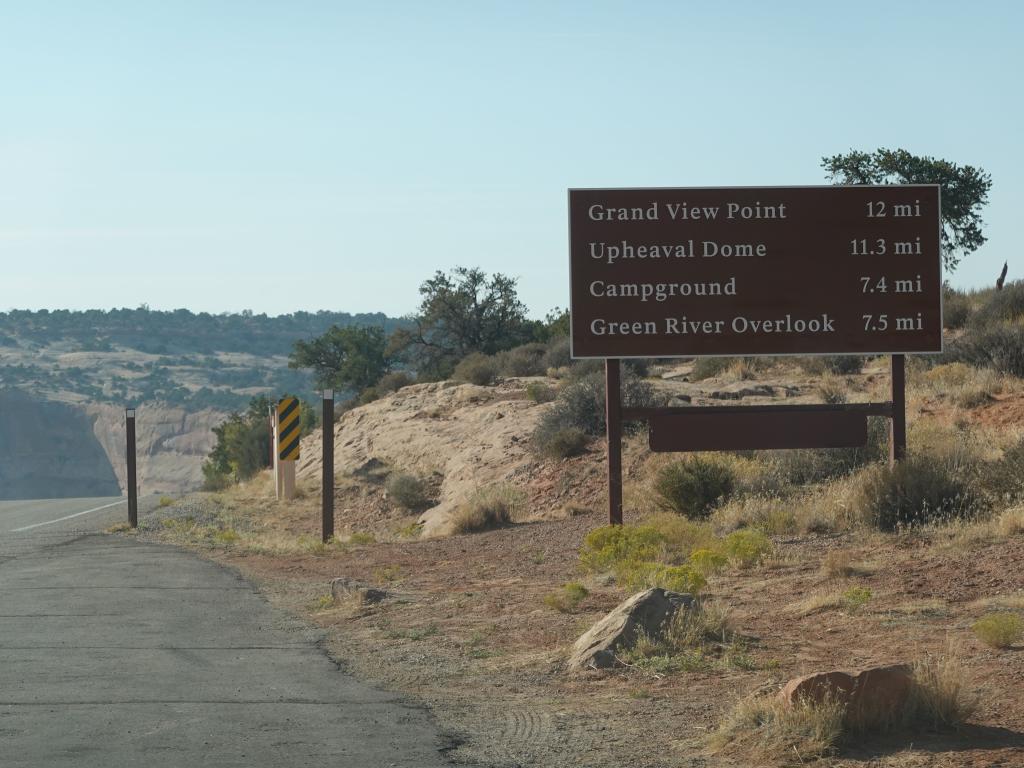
pixel 964 190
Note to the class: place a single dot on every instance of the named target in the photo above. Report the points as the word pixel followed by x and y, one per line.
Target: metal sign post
pixel 133 492
pixel 327 483
pixel 759 271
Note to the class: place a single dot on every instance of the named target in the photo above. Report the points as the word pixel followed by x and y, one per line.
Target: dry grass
pixel 841 564
pixel 1013 602
pixel 941 696
pixel 768 729
pixel 963 385
pixel 851 600
pixel 833 389
pixel 493 506
pixel 566 599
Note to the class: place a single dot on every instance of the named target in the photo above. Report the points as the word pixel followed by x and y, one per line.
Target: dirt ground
pixel 465 628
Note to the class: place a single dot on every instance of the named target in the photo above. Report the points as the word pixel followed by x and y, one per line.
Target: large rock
pixel 871 696
pixel 647 611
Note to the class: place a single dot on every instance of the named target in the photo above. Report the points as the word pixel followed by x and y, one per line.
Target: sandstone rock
pixel 344 588
pixel 874 695
pixel 647 611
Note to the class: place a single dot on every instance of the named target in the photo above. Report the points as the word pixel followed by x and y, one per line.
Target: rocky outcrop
pixel 171 444
pixel 645 612
pixel 471 436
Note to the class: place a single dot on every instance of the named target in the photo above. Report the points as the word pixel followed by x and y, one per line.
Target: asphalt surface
pixel 119 653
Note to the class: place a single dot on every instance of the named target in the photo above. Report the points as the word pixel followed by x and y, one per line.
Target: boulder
pixel 344 588
pixel 740 390
pixel 645 611
pixel 872 696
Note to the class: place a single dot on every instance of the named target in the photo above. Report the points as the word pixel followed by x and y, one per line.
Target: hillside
pixel 67 377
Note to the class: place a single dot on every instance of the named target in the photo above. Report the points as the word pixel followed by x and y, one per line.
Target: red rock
pixel 818 686
pixel 872 696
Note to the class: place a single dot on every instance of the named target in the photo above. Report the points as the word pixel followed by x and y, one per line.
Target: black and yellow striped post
pixel 288 434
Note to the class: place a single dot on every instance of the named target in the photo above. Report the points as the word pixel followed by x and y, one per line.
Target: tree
pixel 242 448
pixel 462 312
pixel 351 358
pixel 964 191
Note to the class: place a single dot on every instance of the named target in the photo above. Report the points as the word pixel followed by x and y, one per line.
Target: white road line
pixel 62 519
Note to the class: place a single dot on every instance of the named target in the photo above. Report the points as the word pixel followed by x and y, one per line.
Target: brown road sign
pixel 288 431
pixel 755 271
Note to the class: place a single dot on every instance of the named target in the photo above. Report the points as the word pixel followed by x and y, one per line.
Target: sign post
pixel 758 271
pixel 288 434
pixel 327 483
pixel 132 487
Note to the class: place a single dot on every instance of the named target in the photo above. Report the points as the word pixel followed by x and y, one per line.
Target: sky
pixel 221 155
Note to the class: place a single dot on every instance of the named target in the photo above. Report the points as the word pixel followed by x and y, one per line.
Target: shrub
pixel 477 368
pixel 605 547
pixel 408 491
pixel 707 561
pixel 856 598
pixel 166 501
pixel 999 630
pixel 368 395
pixel 956 309
pixel 1003 479
pixel 999 347
pixel 525 360
pixel 645 575
pixel 392 382
pixel 580 404
pixel 807 466
pixel 557 353
pixel 493 506
pixel 681 536
pixel 917 490
pixel 566 599
pixel 693 486
pixel 1005 306
pixel 745 548
pixel 560 443
pixel 540 392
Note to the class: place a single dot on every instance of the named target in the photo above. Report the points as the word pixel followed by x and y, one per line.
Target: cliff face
pixel 49 450
pixel 52 449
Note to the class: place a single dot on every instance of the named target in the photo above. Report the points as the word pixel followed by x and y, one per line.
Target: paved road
pixel 119 653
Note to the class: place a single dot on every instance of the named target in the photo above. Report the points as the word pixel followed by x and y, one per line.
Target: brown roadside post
pixel 613 422
pixel 898 420
pixel 327 484
pixel 133 501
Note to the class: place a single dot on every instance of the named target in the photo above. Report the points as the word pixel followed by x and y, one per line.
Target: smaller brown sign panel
pixel 755 271
pixel 705 430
